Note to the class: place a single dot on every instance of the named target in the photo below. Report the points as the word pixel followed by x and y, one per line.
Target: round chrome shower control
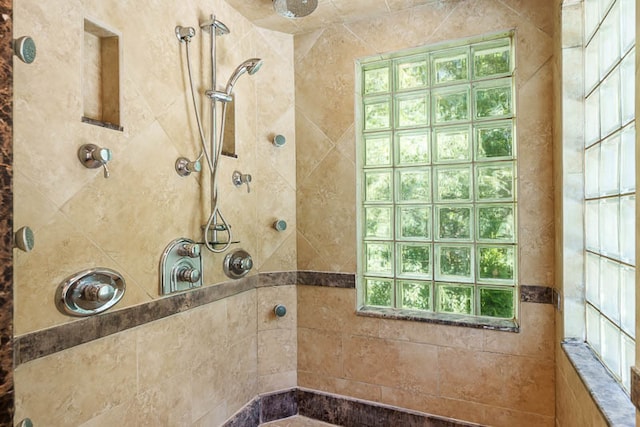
pixel 192 250
pixel 186 274
pixel 97 292
pixel 237 264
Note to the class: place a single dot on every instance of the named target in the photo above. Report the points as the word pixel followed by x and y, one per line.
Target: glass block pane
pixel 497 302
pixel 377 222
pixel 496 222
pixel 611 351
pixel 608 227
pixel 628 296
pixel 412 74
pixel 592 171
pixel 454 263
pixel 379 292
pixel 377 114
pixel 491 59
pixel 493 99
pixel 628 87
pixel 610 103
pixel 414 185
pixel 450 66
pixel 452 144
pixel 592 225
pixel 376 80
pixel 592 279
pixel 494 140
pixel 412 110
pixel 377 150
pixel 453 184
pixel 414 222
pixel 413 147
pixel 414 260
pixel 591 16
pixel 496 263
pixel 592 118
pixel 455 299
pixel 628 24
pixel 454 222
pixel 451 105
pixel 379 257
pixel 415 295
pixel 610 40
pixel 627 224
pixel 377 187
pixel 628 159
pixel 628 360
pixel 608 179
pixel 593 329
pixel 610 289
pixel 591 68
pixel 495 182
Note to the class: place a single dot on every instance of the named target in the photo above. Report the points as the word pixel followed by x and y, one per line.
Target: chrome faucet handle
pixel 240 178
pixel 92 157
pixel 185 167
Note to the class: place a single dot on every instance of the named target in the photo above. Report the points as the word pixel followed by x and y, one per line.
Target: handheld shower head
pixel 250 66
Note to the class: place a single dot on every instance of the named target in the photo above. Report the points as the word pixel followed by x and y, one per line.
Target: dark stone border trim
pixel 102 124
pixel 334 409
pixel 635 387
pixel 610 398
pixel 48 341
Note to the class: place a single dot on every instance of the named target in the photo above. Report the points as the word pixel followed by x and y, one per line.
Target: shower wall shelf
pixel 180 267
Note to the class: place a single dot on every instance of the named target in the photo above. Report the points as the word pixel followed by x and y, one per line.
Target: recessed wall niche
pixel 101 76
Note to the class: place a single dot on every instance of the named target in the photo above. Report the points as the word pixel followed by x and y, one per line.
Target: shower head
pixel 294 8
pixel 250 66
pixel 25 49
pixel 220 28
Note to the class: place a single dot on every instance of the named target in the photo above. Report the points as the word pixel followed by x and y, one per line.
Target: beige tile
pixel 308 257
pixel 333 309
pixel 527 384
pixel 340 386
pixel 215 417
pixel 242 316
pixel 501 417
pixel 167 402
pixel 296 421
pixel 277 351
pixel 312 145
pixel 320 352
pixel 365 357
pixel 241 369
pixel 49 391
pixel 426 333
pixel 278 381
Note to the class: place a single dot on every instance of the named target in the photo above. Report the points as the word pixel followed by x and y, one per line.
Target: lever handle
pixel 92 157
pixel 239 178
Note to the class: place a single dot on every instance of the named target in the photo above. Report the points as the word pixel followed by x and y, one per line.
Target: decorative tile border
pixel 6 214
pixel 606 392
pixel 537 294
pixel 48 341
pixel 333 409
pixel 635 387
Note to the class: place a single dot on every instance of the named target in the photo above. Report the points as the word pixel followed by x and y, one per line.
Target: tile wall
pixel 498 378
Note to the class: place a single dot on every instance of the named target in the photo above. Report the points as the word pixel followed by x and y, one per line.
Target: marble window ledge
pixel 613 402
pixel 38 344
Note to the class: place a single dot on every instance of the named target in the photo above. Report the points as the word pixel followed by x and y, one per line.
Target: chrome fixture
pixel 25 49
pixel 239 178
pixel 294 8
pixel 90 292
pixel 25 423
pixel 24 239
pixel 180 266
pixel 280 225
pixel 280 310
pixel 92 157
pixel 185 34
pixel 185 167
pixel 237 264
pixel 279 140
pixel 212 149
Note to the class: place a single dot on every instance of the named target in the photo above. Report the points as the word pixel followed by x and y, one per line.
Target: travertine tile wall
pixel 209 361
pixel 483 376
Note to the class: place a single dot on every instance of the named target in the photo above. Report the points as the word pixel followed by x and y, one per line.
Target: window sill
pixel 607 394
pixel 506 325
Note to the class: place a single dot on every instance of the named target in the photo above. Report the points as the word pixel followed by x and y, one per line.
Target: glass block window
pixel 609 170
pixel 437 180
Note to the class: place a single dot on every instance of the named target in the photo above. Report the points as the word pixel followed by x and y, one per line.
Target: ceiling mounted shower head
pixel 294 8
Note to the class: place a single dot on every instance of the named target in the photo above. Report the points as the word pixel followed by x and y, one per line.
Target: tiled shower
pixel 196 359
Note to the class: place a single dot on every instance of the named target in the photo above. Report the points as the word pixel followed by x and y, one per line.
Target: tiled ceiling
pixel 261 12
